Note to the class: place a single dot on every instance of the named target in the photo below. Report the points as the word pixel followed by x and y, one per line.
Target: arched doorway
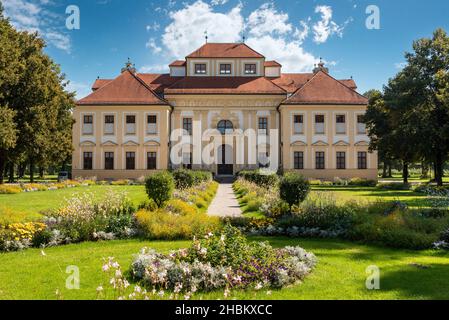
pixel 225 127
pixel 225 163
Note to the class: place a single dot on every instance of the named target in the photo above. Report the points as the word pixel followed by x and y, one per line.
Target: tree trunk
pixel 21 170
pixel 41 172
pixel 31 170
pixel 384 171
pixel 439 169
pixel 424 170
pixel 2 164
pixel 390 174
pixel 11 172
pixel 405 172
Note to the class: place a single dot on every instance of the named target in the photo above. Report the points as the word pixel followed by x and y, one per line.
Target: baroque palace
pixel 310 122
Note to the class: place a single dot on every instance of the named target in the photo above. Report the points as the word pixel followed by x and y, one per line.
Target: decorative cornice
pixel 320 143
pixel 341 143
pixel 109 143
pixel 299 144
pixel 362 144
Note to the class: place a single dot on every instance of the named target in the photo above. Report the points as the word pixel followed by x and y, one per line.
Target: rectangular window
pixel 151 160
pixel 200 68
pixel 341 160
pixel 130 124
pixel 225 69
pixel 109 160
pixel 250 68
pixel 298 123
pixel 361 126
pixel 187 160
pixel 109 124
pixel 341 124
pixel 88 124
pixel 362 162
pixel 320 163
pixel 87 163
pixel 187 126
pixel 319 124
pixel 130 161
pixel 263 126
pixel 299 160
pixel 151 124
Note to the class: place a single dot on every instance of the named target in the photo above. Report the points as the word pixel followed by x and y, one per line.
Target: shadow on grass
pixel 420 282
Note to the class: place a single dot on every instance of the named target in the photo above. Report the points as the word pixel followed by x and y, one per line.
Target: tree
pixel 410 120
pixel 8 135
pixel 32 85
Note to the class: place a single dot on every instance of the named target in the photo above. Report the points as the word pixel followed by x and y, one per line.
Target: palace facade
pixel 133 125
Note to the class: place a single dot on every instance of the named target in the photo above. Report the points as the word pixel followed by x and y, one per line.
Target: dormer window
pixel 225 69
pixel 200 68
pixel 250 68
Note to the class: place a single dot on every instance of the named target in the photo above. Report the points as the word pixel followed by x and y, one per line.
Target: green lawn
pixel 348 193
pixel 32 203
pixel 340 273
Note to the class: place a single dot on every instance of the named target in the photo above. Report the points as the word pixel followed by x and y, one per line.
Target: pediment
pixel 298 144
pixel 109 143
pixel 341 143
pixel 152 143
pixel 320 143
pixel 87 144
pixel 130 144
pixel 362 144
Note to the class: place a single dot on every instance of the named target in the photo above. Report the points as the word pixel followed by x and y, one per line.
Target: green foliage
pixel 394 186
pixel 185 179
pixel 159 187
pixel 293 188
pixel 362 182
pixel 260 178
pixel 8 128
pixel 161 224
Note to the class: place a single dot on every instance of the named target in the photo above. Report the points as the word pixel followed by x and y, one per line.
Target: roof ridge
pixel 339 81
pixel 147 87
pixel 276 85
pixel 300 88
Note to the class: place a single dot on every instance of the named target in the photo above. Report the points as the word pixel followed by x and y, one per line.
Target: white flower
pixel 105 267
pixel 99 289
pixel 118 273
pixel 258 286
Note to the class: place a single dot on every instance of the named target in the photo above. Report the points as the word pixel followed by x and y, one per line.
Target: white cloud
pixel 81 89
pixel 156 68
pixel 400 65
pixel 31 16
pixel 153 27
pixel 151 44
pixel 326 27
pixel 269 31
pixel 186 31
pixel 267 20
pixel 218 2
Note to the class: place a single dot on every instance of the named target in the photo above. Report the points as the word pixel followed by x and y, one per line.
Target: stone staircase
pixel 225 179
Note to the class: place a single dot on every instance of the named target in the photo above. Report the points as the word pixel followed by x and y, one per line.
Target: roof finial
pixel 205 36
pixel 320 67
pixel 129 66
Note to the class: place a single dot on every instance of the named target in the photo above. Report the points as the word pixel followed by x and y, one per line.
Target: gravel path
pixel 225 203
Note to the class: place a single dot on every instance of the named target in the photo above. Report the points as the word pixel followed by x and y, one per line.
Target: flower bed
pixel 225 260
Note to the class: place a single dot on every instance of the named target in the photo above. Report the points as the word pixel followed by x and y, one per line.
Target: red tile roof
pixel 291 82
pixel 349 83
pixel 177 63
pixel 324 89
pixel 225 50
pixel 268 64
pixel 224 85
pixel 127 88
pixel 158 82
pixel 100 83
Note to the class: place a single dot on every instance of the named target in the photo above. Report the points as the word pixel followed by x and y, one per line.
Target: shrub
pixel 161 224
pixel 260 178
pixel 293 188
pixel 361 182
pixel 179 207
pixel 160 187
pixel 201 177
pixel 321 211
pixel 184 179
pixel 9 189
pixel 123 182
pixel 394 186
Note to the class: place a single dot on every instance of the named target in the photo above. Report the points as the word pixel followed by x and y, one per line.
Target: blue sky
pixel 295 33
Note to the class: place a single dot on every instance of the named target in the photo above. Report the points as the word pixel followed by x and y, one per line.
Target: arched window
pixel 224 126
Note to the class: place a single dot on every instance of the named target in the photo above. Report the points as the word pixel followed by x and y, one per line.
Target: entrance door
pixel 225 166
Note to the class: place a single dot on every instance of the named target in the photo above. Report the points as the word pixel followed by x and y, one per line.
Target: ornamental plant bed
pixel 225 260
